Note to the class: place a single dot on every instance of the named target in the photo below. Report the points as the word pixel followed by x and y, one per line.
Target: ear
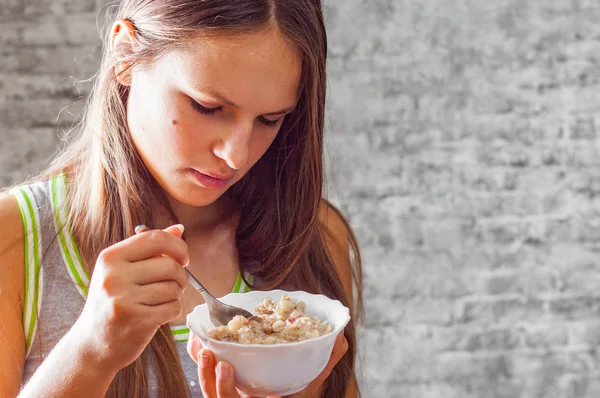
pixel 122 45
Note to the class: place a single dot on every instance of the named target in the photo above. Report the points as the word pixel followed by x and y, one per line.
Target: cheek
pixel 175 135
pixel 162 133
pixel 186 134
pixel 147 120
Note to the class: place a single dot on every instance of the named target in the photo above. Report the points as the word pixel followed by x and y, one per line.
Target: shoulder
pixel 12 288
pixel 337 235
pixel 335 227
pixel 11 244
pixel 11 228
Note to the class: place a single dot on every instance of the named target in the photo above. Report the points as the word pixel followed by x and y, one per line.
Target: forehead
pixel 245 67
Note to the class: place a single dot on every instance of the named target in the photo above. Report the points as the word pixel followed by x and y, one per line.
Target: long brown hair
pixel 280 238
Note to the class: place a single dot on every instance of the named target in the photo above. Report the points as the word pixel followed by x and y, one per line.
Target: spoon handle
pixel 198 286
pixel 194 282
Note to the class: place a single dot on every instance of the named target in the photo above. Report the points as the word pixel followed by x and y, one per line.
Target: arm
pixel 136 287
pixel 62 373
pixel 68 372
pixel 336 238
pixel 12 291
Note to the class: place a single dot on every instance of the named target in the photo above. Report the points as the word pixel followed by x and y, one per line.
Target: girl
pixel 204 113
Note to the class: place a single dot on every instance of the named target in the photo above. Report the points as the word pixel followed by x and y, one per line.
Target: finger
pixel 176 230
pixel 141 228
pixel 153 243
pixel 225 381
pixel 158 293
pixel 194 345
pixel 340 348
pixel 206 373
pixel 162 313
pixel 158 269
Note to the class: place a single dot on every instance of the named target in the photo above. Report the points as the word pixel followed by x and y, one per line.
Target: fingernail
pixel 141 228
pixel 179 227
pixel 223 371
pixel 204 359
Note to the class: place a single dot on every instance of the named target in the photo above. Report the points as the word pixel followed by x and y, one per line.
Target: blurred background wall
pixel 463 147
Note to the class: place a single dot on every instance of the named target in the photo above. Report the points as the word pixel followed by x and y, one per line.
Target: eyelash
pixel 211 111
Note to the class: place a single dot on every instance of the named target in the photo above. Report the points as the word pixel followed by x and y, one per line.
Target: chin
pixel 196 200
pixel 196 196
pixel 189 193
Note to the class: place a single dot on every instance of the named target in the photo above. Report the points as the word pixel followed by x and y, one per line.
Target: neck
pixel 194 218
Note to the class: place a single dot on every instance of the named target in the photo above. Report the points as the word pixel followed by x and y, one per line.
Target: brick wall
pixel 467 160
pixel 463 147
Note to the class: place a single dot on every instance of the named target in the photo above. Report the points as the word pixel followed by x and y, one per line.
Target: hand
pixel 136 287
pixel 217 380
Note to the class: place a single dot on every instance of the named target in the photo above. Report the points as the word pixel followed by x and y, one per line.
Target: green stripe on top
pixel 83 272
pixel 180 333
pixel 238 284
pixel 20 196
pixel 179 330
pixel 32 256
pixel 28 292
pixel 69 257
pixel 34 268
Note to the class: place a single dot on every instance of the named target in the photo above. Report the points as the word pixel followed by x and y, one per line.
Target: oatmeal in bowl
pixel 283 347
pixel 273 323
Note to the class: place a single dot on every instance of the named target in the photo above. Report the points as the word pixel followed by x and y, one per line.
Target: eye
pixel 202 109
pixel 270 123
pixel 211 111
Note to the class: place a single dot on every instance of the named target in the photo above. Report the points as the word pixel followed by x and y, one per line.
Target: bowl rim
pixel 335 331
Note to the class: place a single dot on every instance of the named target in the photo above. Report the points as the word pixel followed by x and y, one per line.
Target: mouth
pixel 217 176
pixel 211 180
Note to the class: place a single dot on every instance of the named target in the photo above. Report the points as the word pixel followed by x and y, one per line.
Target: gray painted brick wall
pixel 463 147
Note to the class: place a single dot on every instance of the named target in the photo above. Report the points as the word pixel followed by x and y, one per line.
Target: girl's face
pixel 202 116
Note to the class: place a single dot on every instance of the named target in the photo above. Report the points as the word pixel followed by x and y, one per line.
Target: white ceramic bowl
pixel 281 369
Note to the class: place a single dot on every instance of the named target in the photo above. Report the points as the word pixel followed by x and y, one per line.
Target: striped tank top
pixel 56 281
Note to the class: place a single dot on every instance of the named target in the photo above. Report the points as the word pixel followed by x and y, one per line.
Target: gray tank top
pixel 56 282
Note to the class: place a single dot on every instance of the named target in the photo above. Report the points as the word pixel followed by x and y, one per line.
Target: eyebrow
pixel 223 99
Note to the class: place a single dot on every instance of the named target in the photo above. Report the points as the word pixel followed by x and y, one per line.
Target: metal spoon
pixel 220 313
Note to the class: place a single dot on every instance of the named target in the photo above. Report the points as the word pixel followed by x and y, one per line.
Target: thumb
pixel 194 345
pixel 176 230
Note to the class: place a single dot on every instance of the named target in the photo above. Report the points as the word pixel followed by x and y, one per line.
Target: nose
pixel 234 148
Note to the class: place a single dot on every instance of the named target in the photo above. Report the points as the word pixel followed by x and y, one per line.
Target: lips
pixel 211 180
pixel 216 175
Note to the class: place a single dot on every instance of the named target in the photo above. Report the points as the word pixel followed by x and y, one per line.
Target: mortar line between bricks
pixel 567 295
pixel 558 349
pixel 542 296
pixel 490 298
